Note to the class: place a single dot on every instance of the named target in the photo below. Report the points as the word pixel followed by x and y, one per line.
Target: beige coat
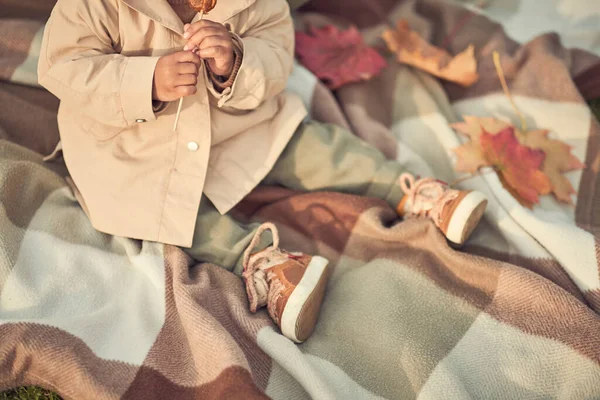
pixel 135 176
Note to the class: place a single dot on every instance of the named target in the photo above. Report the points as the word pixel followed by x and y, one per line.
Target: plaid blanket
pixel 512 315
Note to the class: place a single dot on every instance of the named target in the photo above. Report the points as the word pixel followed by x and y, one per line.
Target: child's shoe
pixel 455 212
pixel 291 285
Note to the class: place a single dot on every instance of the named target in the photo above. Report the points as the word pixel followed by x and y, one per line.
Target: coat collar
pixel 161 12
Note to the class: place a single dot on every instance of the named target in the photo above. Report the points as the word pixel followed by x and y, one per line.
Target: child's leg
pixel 319 157
pixel 291 286
pixel 327 157
pixel 221 240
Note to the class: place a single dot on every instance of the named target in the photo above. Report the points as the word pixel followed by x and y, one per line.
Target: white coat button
pixel 193 146
pixel 139 121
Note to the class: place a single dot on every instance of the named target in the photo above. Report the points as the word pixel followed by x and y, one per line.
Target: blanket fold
pixel 514 314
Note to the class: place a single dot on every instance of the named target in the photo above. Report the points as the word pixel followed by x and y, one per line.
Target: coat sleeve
pixel 79 65
pixel 266 41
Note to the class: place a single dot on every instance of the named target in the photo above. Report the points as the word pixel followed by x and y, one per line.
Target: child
pixel 119 68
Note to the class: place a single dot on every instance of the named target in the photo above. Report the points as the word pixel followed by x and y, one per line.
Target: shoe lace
pixel 427 196
pixel 256 267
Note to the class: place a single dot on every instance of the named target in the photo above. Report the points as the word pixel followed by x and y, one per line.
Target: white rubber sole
pixel 300 295
pixel 462 216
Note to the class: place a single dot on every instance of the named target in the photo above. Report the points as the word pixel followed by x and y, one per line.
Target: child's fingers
pixel 214 52
pixel 203 35
pixel 184 91
pixel 206 31
pixel 188 57
pixel 196 26
pixel 186 80
pixel 215 41
pixel 198 39
pixel 187 68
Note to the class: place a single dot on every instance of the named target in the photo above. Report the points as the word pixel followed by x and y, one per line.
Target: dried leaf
pixel 412 49
pixel 470 155
pixel 337 57
pixel 559 158
pixel 558 161
pixel 518 166
pixel 514 193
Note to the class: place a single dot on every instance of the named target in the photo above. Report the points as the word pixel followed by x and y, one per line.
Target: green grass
pixel 34 393
pixel 29 393
pixel 595 105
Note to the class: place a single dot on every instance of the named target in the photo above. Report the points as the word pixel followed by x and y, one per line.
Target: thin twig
pixel 178 114
pixel 506 91
pixel 181 99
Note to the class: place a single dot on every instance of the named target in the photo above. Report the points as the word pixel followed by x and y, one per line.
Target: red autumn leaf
pixel 517 166
pixel 337 57
pixel 559 158
pixel 470 155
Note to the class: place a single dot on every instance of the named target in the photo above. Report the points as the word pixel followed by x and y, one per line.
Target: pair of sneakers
pixel 292 285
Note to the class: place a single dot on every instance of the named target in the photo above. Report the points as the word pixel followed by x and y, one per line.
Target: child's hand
pixel 175 76
pixel 212 42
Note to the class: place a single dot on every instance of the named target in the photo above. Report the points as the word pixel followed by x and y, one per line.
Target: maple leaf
pixel 412 49
pixel 559 158
pixel 470 155
pixel 558 161
pixel 517 166
pixel 337 57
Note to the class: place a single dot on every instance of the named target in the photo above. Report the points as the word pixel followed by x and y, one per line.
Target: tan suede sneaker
pixel 456 212
pixel 291 285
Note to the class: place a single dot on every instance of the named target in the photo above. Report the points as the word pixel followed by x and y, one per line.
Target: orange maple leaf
pixel 558 160
pixel 517 166
pixel 470 155
pixel 412 49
